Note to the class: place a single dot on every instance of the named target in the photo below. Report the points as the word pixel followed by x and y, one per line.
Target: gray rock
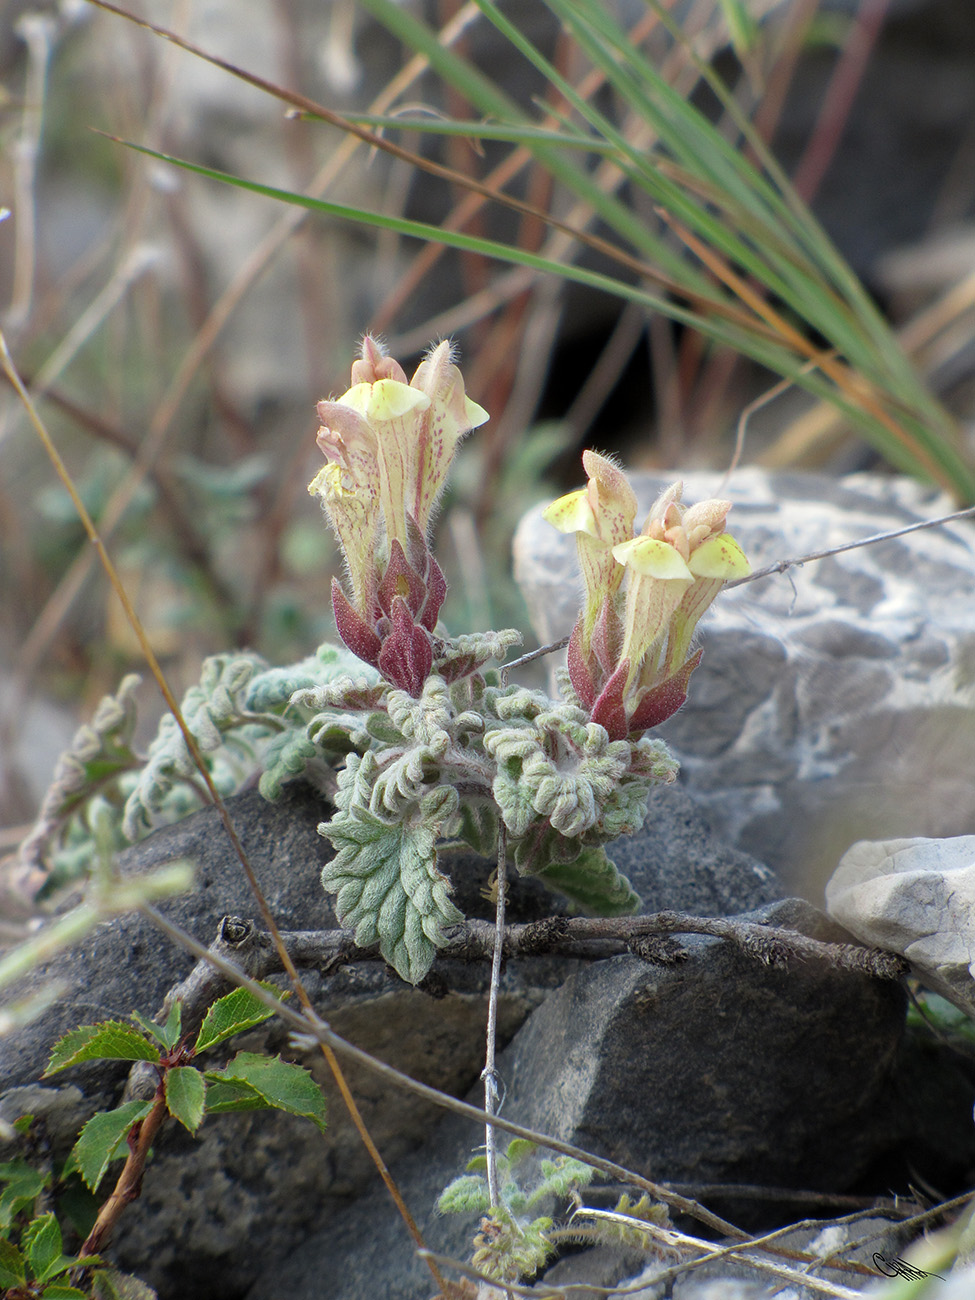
pixel 217 1207
pixel 835 702
pixel 718 1068
pixel 915 897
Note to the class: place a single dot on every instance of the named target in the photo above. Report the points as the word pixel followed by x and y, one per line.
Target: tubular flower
pixel 389 444
pixel 629 655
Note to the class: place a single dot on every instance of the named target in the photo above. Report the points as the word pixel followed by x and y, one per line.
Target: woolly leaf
pixel 387 885
pixel 463 655
pixel 271 690
pixel 101 1137
pixel 467 1194
pixel 232 1014
pixel 560 1177
pixel 99 754
pixel 110 1284
pixel 280 1084
pixel 592 882
pixel 477 825
pixel 287 756
pixel 215 705
pixel 185 1094
pixel 112 1040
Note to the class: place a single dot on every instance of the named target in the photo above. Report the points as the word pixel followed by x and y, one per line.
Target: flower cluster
pixel 389 443
pixel 629 655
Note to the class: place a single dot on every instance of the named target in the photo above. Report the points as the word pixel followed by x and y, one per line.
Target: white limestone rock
pixel 915 897
pixel 835 702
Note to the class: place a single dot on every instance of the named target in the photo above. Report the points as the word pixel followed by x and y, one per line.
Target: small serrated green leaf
pixel 467 1194
pixel 110 1284
pixel 112 1040
pixel 101 1137
pixel 282 1085
pixel 225 1095
pixel 24 1185
pixel 42 1239
pixel 167 1035
pixel 13 1267
pixel 185 1095
pixel 232 1014
pixel 61 1291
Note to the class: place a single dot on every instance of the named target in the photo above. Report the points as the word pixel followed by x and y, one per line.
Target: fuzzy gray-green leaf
pixel 388 888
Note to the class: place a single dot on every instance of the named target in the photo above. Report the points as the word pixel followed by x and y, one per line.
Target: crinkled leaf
pixel 99 753
pixel 112 1040
pixel 101 1137
pixel 282 1085
pixel 166 1035
pixel 110 1284
pixel 388 888
pixel 212 707
pixel 23 1186
pixel 287 756
pixel 592 882
pixel 185 1094
pixel 272 689
pixel 229 1015
pixel 13 1266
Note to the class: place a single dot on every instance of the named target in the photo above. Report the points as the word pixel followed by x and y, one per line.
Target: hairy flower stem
pixel 490 1074
pixel 129 1185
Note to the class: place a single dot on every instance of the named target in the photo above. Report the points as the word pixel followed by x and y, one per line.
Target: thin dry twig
pixel 492 1093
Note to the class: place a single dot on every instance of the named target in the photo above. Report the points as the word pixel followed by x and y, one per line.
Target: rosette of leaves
pixel 453 764
pixel 514 1241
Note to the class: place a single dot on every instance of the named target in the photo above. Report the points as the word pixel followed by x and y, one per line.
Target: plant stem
pixel 129 1185
pixel 490 1074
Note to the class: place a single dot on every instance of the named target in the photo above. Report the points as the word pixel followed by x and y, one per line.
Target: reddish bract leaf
pixel 400 580
pixel 354 631
pixel 606 640
pixel 609 710
pixel 663 701
pixel 579 672
pixel 436 594
pixel 406 657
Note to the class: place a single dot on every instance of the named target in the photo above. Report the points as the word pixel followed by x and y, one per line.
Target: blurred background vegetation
pixel 176 332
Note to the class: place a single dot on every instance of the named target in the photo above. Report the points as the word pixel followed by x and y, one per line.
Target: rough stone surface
pixel 915 897
pixel 835 702
pixel 216 1207
pixel 718 1068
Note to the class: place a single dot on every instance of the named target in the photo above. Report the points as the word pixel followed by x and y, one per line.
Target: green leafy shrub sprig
pixel 32 1264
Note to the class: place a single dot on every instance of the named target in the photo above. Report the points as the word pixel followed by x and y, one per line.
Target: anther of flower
pixel 629 655
pixel 389 443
